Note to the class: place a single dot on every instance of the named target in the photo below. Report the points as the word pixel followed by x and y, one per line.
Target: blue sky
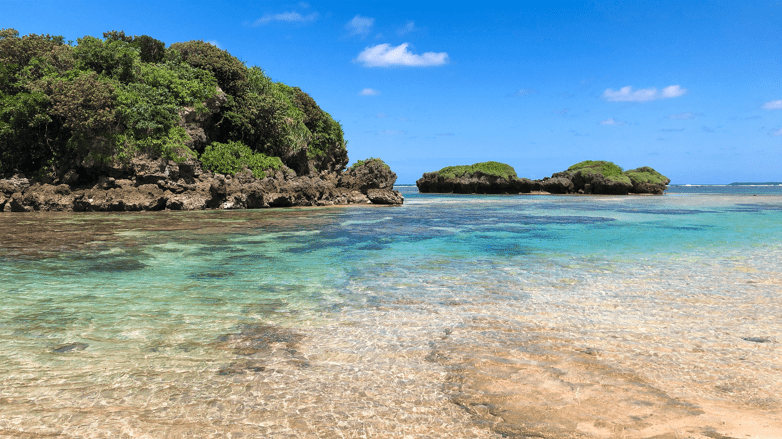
pixel 693 89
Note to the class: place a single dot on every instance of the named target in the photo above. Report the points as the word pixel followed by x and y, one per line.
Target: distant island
pixel 124 123
pixel 767 183
pixel 587 177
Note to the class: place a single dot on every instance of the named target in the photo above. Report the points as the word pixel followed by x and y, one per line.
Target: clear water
pixel 371 321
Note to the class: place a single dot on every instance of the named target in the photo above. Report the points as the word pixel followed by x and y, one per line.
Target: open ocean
pixel 450 316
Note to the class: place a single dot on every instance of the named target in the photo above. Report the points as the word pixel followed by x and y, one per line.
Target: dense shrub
pixel 368 161
pixel 326 132
pixel 231 73
pixel 232 157
pixel 646 174
pixel 609 170
pixel 83 101
pixel 269 122
pixel 105 100
pixel 115 59
pixel 495 169
pixel 29 58
pixel 149 109
pixel 29 137
pixel 150 49
pixel 187 86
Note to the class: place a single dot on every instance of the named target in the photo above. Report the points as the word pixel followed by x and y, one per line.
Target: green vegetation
pixel 368 161
pixel 232 157
pixel 495 169
pixel 106 100
pixel 646 175
pixel 609 170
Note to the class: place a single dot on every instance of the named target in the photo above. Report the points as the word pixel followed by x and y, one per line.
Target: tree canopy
pixel 104 100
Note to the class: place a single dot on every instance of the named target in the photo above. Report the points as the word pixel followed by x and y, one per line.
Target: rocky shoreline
pixel 157 184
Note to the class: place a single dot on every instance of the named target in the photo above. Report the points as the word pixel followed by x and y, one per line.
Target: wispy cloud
pixel 524 92
pixel 671 130
pixel 777 133
pixel 385 55
pixel 684 116
pixel 214 43
pixel 627 94
pixel 446 134
pixel 406 29
pixel 381 115
pixel 773 105
pixel 290 17
pixel 369 92
pixel 360 25
pixel 611 122
pixel 390 132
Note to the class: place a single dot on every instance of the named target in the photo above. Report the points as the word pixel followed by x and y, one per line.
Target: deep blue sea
pixel 424 320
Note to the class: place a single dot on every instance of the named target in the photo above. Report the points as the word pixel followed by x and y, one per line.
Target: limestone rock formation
pixel 588 177
pixel 480 178
pixel 158 184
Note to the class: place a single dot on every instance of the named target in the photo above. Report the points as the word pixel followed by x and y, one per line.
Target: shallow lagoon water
pixel 460 316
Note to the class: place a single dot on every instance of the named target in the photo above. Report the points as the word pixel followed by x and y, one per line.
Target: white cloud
pixel 611 122
pixel 684 116
pixel 360 25
pixel 384 55
pixel 214 43
pixel 369 92
pixel 290 17
pixel 626 94
pixel 407 28
pixel 390 132
pixel 773 105
pixel 778 133
pixel 673 91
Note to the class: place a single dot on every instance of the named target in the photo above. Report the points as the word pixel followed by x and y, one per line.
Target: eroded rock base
pixel 164 185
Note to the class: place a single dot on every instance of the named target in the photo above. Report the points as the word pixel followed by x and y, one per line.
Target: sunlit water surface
pixel 369 321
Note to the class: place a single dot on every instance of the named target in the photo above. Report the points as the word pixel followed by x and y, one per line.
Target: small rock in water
pixel 240 368
pixel 68 347
pixel 757 339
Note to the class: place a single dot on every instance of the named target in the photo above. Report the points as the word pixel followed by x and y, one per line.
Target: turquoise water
pixel 329 322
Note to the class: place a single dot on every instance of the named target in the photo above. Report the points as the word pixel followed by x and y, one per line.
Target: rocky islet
pixel 587 177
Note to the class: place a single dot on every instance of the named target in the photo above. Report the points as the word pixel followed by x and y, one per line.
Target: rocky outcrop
pixel 646 180
pixel 589 177
pixel 145 184
pixel 474 183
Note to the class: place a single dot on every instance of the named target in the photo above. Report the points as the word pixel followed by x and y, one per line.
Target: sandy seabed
pixel 584 368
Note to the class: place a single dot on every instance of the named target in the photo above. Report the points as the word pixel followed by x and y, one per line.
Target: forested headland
pixel 75 112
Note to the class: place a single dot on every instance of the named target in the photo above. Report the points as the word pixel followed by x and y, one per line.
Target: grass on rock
pixel 495 169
